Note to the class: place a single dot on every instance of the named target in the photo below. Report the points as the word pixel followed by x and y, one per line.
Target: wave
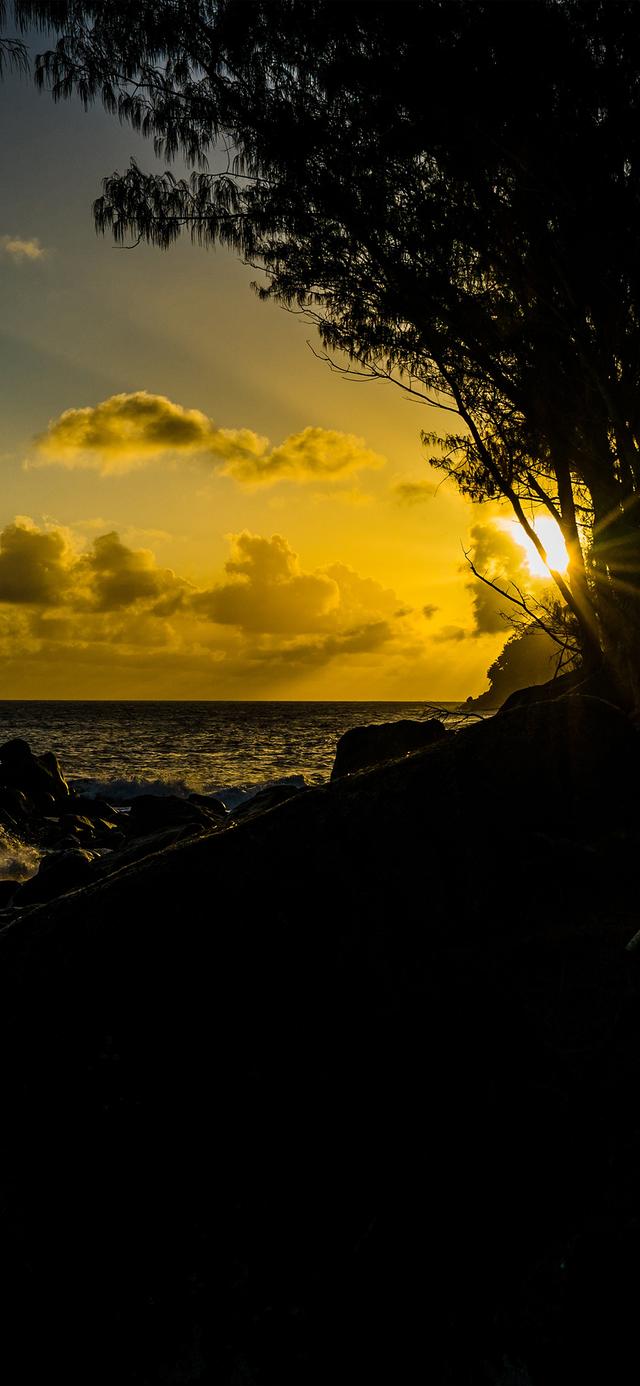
pixel 232 795
pixel 121 791
pixel 18 860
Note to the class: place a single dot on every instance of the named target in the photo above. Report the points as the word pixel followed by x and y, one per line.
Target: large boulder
pixel 38 777
pixel 362 747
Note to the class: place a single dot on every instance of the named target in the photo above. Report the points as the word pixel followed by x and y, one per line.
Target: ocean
pixel 230 749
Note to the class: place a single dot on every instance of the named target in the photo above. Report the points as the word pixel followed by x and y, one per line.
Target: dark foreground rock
pixel 269 798
pixel 595 685
pixel 360 748
pixel 37 777
pixel 151 813
pixel 346 1092
pixel 58 874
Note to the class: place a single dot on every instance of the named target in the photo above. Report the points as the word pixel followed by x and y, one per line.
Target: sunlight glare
pixel 550 536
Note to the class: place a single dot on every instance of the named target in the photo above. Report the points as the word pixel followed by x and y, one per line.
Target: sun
pixel 552 541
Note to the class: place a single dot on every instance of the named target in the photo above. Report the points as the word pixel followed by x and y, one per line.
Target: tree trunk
pixel 615 575
pixel 586 615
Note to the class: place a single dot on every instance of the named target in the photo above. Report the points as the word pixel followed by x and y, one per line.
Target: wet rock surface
pixel 345 1091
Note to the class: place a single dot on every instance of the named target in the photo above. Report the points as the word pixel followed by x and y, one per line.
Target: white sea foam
pixel 119 791
pixel 18 861
pixel 232 795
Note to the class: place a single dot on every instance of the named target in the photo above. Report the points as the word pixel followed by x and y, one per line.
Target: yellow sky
pixel 265 545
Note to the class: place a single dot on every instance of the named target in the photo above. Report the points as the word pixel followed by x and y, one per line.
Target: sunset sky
pixel 193 506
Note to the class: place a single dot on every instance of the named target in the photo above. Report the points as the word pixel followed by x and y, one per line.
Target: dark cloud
pixel 120 576
pixel 314 653
pixel 447 633
pixel 413 492
pixel 36 566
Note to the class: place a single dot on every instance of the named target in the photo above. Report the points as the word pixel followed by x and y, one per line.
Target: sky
pixel 192 504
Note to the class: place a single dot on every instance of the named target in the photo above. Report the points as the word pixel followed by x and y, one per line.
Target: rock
pixel 595 685
pixel 211 805
pixel 50 763
pixel 360 748
pixel 76 825
pixel 269 798
pixel 151 812
pixel 90 807
pixel 7 890
pixel 59 873
pixel 14 802
pixel 107 834
pixel 14 752
pixel 142 847
pixel 39 777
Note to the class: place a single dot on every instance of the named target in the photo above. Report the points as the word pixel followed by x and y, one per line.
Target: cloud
pixel 307 456
pixel 39 567
pixel 82 618
pixel 429 610
pixel 132 430
pixel 36 566
pixel 267 590
pixel 454 633
pixel 498 557
pixel 366 639
pixel 20 250
pixel 360 597
pixel 119 576
pixel 413 492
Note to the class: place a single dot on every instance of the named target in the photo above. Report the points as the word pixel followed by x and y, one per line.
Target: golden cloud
pixel 131 430
pixel 106 618
pixel 500 559
pixel 20 250
pixel 307 456
pixel 267 590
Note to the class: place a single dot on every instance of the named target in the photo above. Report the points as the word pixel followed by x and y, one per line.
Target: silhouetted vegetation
pixel 452 216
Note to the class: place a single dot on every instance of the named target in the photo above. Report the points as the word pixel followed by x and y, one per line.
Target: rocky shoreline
pixel 340 1087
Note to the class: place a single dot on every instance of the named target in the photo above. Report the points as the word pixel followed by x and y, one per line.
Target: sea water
pixel 230 749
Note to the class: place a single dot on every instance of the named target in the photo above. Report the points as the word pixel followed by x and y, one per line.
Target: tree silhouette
pixel 449 189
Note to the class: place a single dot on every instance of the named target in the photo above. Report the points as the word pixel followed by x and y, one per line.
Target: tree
pixel 449 189
pixel 13 53
pixel 528 657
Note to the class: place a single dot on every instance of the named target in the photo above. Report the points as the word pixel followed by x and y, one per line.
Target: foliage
pixel 449 189
pixel 528 657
